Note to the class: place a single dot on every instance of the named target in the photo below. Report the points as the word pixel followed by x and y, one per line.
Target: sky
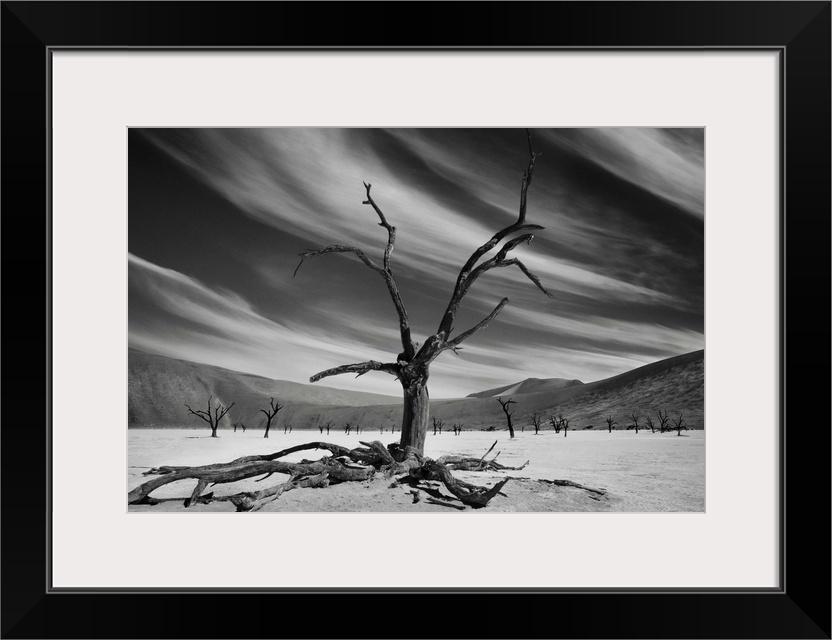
pixel 218 217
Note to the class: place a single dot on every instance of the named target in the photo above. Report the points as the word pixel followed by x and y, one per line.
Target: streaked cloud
pixel 623 249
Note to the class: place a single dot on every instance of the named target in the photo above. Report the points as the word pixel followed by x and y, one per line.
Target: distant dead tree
pixel 437 424
pixel 677 424
pixel 270 413
pixel 243 426
pixel 347 428
pixel 565 425
pixel 213 419
pixel 234 424
pixel 634 417
pixel 663 422
pixel 327 426
pixel 650 424
pixel 411 366
pixel 321 428
pixel 536 420
pixel 555 424
pixel 505 405
pixel 610 423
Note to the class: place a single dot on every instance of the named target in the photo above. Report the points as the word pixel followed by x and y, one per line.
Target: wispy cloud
pixel 622 249
pixel 667 162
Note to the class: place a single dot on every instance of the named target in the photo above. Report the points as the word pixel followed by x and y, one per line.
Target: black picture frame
pixel 799 608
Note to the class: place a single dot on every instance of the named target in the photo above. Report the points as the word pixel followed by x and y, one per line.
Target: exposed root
pixel 445 504
pixel 254 501
pixel 247 468
pixel 569 483
pixel 344 465
pixel 467 493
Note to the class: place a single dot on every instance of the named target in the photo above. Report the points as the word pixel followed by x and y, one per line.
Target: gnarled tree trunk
pixel 416 413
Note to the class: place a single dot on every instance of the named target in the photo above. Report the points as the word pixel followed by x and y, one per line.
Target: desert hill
pixel 159 386
pixel 675 385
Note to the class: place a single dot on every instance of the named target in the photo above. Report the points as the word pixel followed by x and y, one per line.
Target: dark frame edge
pixel 800 607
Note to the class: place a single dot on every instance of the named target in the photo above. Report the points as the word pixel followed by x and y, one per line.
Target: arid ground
pixel 644 472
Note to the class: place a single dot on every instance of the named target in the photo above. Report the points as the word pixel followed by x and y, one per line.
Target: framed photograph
pixel 232 228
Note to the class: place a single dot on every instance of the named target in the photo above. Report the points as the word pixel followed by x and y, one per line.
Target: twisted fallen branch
pixel 461 463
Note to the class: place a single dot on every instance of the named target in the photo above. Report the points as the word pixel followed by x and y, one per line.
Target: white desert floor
pixel 645 472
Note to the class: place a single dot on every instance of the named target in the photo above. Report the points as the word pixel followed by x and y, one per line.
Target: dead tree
pixel 347 428
pixel 243 426
pixel 663 422
pixel 650 424
pixel 234 424
pixel 411 366
pixel 270 413
pixel 505 406
pixel 328 425
pixel 321 429
pixel 677 424
pixel 565 425
pixel 610 423
pixel 213 419
pixel 634 417
pixel 555 424
pixel 536 420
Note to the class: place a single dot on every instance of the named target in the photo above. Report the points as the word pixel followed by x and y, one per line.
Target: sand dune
pixel 529 385
pixel 159 387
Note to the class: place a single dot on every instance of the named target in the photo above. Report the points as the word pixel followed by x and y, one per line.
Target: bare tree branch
pixel 529 274
pixel 220 411
pixel 340 248
pixel 360 368
pixel 391 231
pixel 453 344
pixel 500 261
pixel 468 273
pixel 527 180
pixel 506 404
pixel 408 349
pixel 201 414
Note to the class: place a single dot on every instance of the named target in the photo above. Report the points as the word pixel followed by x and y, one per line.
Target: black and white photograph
pixel 416 320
